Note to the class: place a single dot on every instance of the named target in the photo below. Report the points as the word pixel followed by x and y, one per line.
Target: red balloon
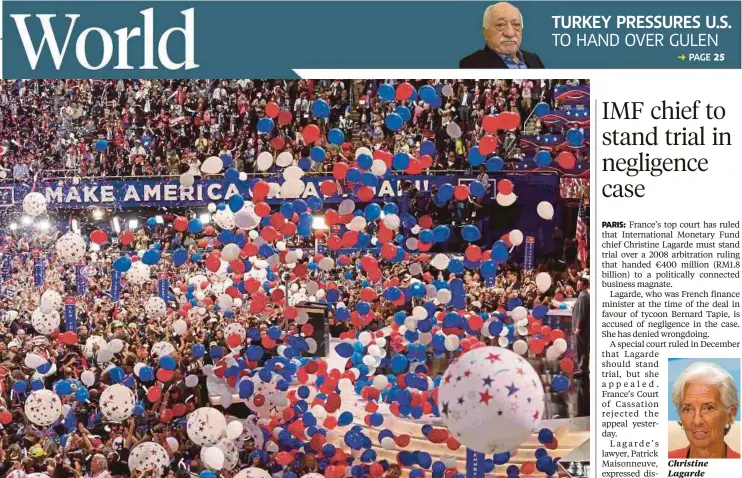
pixel 339 170
pixel 487 144
pixel 6 417
pixel 234 341
pixel 509 120
pixel 127 237
pixel 566 160
pixel 415 167
pixel 461 192
pixel 259 400
pixel 365 193
pixel 284 118
pixel 536 346
pixel 213 262
pixel 272 110
pixel 180 224
pixel 283 458
pixel 490 124
pixel 311 133
pixel 98 236
pixel 262 209
pixel 166 415
pixel 473 253
pixel 504 186
pixel 179 409
pixel 425 222
pixel 278 143
pixel 154 393
pixel 328 187
pixel 164 375
pixel 567 365
pixel 404 91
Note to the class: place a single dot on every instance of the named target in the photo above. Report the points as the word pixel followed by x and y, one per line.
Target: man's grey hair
pixel 101 460
pixel 490 10
pixel 710 374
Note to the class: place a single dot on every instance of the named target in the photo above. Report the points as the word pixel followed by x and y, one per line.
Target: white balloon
pixel 87 378
pixel 520 347
pixel 543 281
pixel 392 221
pixel 34 204
pixel 116 345
pixel 380 382
pixel 516 237
pixel 451 342
pixel 293 173
pixel 230 252
pixel 453 130
pixel 519 313
pixel 365 338
pixel 117 402
pixel 440 261
pixel 225 301
pixel 443 296
pixel 560 345
pixel 138 273
pixel 34 360
pixel 155 307
pixel 253 472
pixel 388 443
pixel 292 189
pixel 264 161
pixel 326 263
pixel 447 91
pixel 172 443
pixel 503 341
pixel 416 269
pixel 479 424
pixel 545 210
pixel 285 159
pixel 234 429
pixel 363 150
pixel 506 200
pixel 71 247
pixel 191 381
pixel 149 457
pixel 45 324
pixel 212 165
pixel 411 243
pixel 346 206
pixel 205 426
pixel 378 167
pixel 358 224
pixel 552 353
pixel 43 407
pixel 187 180
pixel 224 218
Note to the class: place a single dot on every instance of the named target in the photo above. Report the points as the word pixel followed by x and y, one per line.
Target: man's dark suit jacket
pixel 486 58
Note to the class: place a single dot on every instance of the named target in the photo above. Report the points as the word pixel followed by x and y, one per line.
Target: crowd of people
pixel 224 322
pixel 52 128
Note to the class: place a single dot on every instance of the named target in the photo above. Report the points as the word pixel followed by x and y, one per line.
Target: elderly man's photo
pixel 706 399
pixel 502 28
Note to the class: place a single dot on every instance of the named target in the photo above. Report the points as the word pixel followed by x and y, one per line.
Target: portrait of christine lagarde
pixel 705 404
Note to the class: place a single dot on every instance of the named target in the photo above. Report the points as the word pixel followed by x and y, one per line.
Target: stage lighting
pixel 133 223
pixel 319 224
pixel 43 225
pixel 26 220
pixel 13 226
pixel 97 214
pixel 116 225
pixel 75 226
pixel 205 218
pixel 159 220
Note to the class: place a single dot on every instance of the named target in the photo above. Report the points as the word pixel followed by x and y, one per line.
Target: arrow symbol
pixel 682 57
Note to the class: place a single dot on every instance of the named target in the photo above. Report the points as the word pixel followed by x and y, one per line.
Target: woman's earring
pixel 727 426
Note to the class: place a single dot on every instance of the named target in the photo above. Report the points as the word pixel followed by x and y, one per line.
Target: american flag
pixel 581 234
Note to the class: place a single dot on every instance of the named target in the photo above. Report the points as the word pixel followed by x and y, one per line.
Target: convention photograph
pixel 296 278
pixel 704 408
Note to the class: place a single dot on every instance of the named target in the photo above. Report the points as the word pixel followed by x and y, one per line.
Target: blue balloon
pixel 336 136
pixel 152 222
pixel 393 121
pixel 180 256
pixel 404 112
pixel 575 137
pixel 559 383
pixel 455 266
pixel 499 253
pixel 320 109
pixel 495 328
pixel 545 436
pixel 116 374
pixel 305 164
pixel 488 269
pixel 399 363
pixel 195 225
pixel 400 161
pixel 365 161
pixel 427 147
pixel 167 362
pixel 246 388
pixel 477 189
pixel 198 350
pixel 428 94
pixel 540 311
pixel 63 387
pixel 235 202
pixel 386 92
pixel 101 145
pixel 353 175
pixel 542 159
pixel 441 233
pixel 541 110
pixel 345 418
pixel 317 154
pixel 475 158
pixel 265 125
pixel 122 264
pixel 232 175
pixel 372 211
pixel 227 160
pixel 495 164
pixel 151 257
pixel 81 394
pixel 471 233
pixel 445 192
pixel 20 386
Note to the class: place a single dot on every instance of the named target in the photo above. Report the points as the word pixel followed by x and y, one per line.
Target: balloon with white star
pixel 491 399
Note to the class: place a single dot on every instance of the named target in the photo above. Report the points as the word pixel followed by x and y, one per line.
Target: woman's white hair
pixel 710 374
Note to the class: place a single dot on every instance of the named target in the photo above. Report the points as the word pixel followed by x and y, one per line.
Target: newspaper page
pixel 303 239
